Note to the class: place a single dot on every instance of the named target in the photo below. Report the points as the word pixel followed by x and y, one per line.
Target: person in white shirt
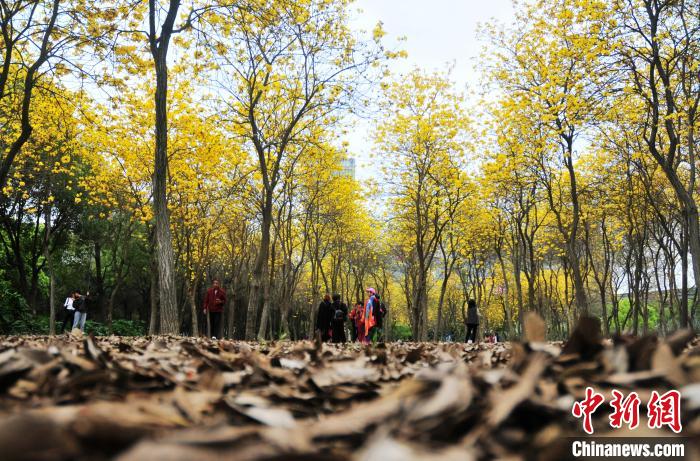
pixel 68 311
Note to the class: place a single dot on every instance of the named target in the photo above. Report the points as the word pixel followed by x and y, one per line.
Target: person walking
pixel 379 311
pixel 340 315
pixel 369 318
pixel 354 313
pixel 358 324
pixel 472 321
pixel 68 311
pixel 80 306
pixel 214 303
pixel 324 318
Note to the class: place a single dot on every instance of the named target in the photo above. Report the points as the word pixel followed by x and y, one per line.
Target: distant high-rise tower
pixel 348 165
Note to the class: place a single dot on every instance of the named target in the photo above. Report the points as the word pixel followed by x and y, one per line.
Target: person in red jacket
pixel 214 303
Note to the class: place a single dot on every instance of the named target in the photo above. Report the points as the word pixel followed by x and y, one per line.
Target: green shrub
pixel 401 332
pixel 120 327
pixel 96 328
pixel 123 327
pixel 15 317
pixel 26 324
pixel 624 308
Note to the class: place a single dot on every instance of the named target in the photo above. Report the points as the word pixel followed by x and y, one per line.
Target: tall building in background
pixel 348 165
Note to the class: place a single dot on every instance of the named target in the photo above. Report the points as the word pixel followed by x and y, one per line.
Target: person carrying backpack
pixel 340 315
pixel 379 311
pixel 324 318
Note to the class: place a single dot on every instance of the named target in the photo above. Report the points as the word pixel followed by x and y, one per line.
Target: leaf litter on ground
pixel 175 398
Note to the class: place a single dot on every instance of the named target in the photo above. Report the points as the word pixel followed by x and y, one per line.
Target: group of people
pixel 366 319
pixel 75 310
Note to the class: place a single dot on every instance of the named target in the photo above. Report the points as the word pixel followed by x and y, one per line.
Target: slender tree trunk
pixel 99 279
pixel 694 244
pixel 683 308
pixel 506 301
pixel 52 278
pixel 169 314
pixel 231 312
pixel 169 319
pixel 420 305
pixel 663 296
pixel 153 323
pixel 447 272
pixel 110 306
pixel 265 317
pixel 518 290
pixel 259 269
pixel 579 288
pixel 441 300
pixel 193 307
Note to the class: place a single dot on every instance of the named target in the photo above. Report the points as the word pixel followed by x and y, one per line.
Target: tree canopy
pixel 147 148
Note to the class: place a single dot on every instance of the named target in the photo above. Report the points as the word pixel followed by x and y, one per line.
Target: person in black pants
pixel 214 304
pixel 472 321
pixel 68 312
pixel 324 318
pixel 340 315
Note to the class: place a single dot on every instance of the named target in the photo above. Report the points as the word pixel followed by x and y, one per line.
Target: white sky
pixel 438 33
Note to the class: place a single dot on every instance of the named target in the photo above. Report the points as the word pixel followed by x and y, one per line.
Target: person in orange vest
pixel 370 320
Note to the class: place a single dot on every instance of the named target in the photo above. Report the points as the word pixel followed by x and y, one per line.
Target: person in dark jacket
pixel 379 311
pixel 214 304
pixel 340 316
pixel 80 306
pixel 324 318
pixel 472 321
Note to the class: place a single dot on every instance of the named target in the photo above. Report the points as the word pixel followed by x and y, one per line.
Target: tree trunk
pixel 443 289
pixel 231 312
pixel 169 321
pixel 694 244
pixel 420 304
pixel 169 318
pixel 579 288
pixel 153 323
pixel 506 302
pixel 99 279
pixel 683 308
pixel 518 290
pixel 52 279
pixel 193 307
pixel 259 269
pixel 265 317
pixel 110 306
